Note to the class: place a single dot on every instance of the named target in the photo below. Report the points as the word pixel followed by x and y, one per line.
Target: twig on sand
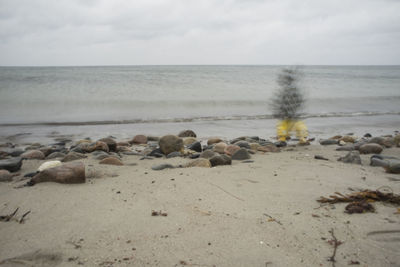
pixel 273 219
pixel 232 195
pixel 23 216
pixel 335 244
pixel 7 218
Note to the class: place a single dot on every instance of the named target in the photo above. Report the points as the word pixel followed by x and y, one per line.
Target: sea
pixel 39 103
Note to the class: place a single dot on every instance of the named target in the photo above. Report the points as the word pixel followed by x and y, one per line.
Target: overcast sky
pixel 141 32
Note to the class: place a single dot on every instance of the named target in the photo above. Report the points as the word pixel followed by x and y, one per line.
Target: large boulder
pixel 371 148
pixel 12 164
pixel 33 154
pixel 170 143
pixel 68 173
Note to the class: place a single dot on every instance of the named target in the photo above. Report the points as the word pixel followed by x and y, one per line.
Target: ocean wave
pixel 196 119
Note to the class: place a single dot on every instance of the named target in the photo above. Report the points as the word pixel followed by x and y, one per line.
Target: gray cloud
pixel 74 32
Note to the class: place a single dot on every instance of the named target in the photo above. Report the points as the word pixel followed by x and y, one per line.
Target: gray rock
pixel 196 146
pixel 243 144
pixel 11 165
pixel 162 167
pixel 156 153
pixel 372 148
pixel 327 142
pixel 352 157
pixel 174 154
pixel 10 151
pixel 393 167
pixel 56 155
pixel 33 154
pixel 241 154
pixel 348 147
pixel 217 160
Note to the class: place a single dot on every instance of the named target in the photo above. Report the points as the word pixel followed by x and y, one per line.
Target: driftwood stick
pixel 232 195
pixel 23 216
pixel 335 244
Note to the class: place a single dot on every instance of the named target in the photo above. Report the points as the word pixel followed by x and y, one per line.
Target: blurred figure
pixel 286 106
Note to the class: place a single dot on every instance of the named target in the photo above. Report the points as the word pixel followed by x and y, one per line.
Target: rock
pixel 207 154
pixel 99 145
pixel 139 139
pixel 326 142
pixel 162 167
pixel 352 157
pixel 396 140
pixel 269 148
pixel 348 139
pixel 201 162
pixel 194 156
pixel 5 176
pixel 56 155
pixel 189 140
pixel 187 133
pixel 73 156
pixel 153 138
pixel 196 146
pixel 174 154
pixel 220 147
pixel 367 135
pixel 111 161
pixel 220 160
pixel 243 144
pixel 170 143
pixel 241 154
pixel 336 137
pixel 320 157
pixel 156 153
pixel 254 146
pixel 33 154
pixel 393 167
pixel 111 144
pixel 101 156
pixel 46 150
pixel 68 173
pixel 12 164
pixel 123 143
pixel 377 140
pixel 49 164
pixel 372 148
pixel 10 151
pixel 212 141
pixel 388 142
pixel 347 147
pixel 342 143
pixel 231 149
pixel 359 144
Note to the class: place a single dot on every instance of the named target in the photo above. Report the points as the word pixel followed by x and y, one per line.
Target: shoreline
pixel 251 213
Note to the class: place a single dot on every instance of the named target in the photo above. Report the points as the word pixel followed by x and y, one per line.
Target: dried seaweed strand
pixel 366 195
pixel 335 244
pixel 7 218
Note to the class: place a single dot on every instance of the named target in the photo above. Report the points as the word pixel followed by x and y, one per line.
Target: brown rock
pixel 254 146
pixel 220 147
pixel 33 154
pixel 123 143
pixel 5 176
pixel 100 145
pixel 388 142
pixel 212 141
pixel 73 156
pixel 370 149
pixel 397 140
pixel 336 137
pixel 348 139
pixel 231 149
pixel 139 139
pixel 269 148
pixel 68 173
pixel 207 154
pixel 187 133
pixel 111 161
pixel 205 163
pixel 171 143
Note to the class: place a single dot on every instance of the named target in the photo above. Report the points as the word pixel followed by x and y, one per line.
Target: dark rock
pixel 12 164
pixel 217 160
pixel 156 153
pixel 56 155
pixel 352 157
pixel 170 143
pixel 227 159
pixel 241 154
pixel 31 174
pixel 33 154
pixel 187 133
pixel 326 142
pixel 320 157
pixel 196 146
pixel 367 135
pixel 111 161
pixel 174 154
pixel 280 144
pixel 10 151
pixel 46 150
pixel 111 143
pixel 372 148
pixel 162 167
pixel 348 147
pixel 207 154
pixel 73 156
pixel 243 144
pixel 68 173
pixel 194 156
pixel 139 139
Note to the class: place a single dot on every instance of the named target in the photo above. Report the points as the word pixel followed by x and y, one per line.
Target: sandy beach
pixel 261 212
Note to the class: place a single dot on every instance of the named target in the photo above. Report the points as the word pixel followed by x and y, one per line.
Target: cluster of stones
pixel 367 145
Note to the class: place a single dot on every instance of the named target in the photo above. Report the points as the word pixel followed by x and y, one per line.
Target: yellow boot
pixel 301 132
